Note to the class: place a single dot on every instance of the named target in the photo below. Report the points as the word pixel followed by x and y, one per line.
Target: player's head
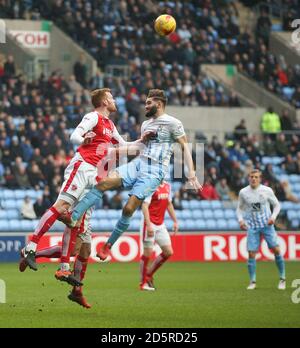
pixel 102 97
pixel 155 103
pixel 255 178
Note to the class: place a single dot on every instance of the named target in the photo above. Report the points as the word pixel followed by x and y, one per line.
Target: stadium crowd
pixel 36 119
pixel 119 33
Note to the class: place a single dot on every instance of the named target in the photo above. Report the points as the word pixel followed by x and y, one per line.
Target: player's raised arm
pixel 82 133
pixel 240 211
pixel 276 206
pixel 192 179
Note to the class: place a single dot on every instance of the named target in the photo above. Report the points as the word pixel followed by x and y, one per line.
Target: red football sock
pixel 158 262
pixel 80 266
pixel 68 243
pixel 51 252
pixel 46 221
pixel 143 267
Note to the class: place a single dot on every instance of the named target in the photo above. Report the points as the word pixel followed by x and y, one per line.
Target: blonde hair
pixel 98 95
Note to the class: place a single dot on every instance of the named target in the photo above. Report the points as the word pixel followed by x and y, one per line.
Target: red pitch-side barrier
pixel 189 247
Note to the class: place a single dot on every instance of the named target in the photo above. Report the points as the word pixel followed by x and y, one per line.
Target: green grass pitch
pixel 188 295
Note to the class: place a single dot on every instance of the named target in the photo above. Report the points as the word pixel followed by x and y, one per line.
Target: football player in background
pixel 154 230
pixel 255 216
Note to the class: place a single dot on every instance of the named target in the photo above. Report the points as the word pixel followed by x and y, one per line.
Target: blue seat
pixel 9 204
pixel 208 214
pixel 218 213
pixel 287 205
pixel 195 204
pixel 27 225
pixel 190 225
pixel 197 214
pixel 295 223
pixel 293 214
pixel 58 227
pixel 4 226
pixel 229 214
pixel 233 224
pixel 11 214
pixel 205 204
pixel 169 224
pixel 182 224
pixel 8 194
pixel 293 178
pixel 134 225
pixel 216 204
pixel 211 224
pixel 186 214
pixel 185 204
pixel 3 214
pixel 20 194
pixel 221 224
pixel 200 225
pixel 15 225
pixel 104 225
pixel 296 187
pixel 113 214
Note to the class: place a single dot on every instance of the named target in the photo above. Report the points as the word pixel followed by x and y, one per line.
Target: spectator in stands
pixel 269 177
pixel 80 71
pixel 270 123
pixel 285 121
pixel 288 192
pixel 27 211
pixel 223 190
pixel 289 165
pixel 281 145
pixel 240 130
pixel 268 147
pixel 263 27
pixel 19 171
pixel 9 67
pixel 208 191
pixel 41 205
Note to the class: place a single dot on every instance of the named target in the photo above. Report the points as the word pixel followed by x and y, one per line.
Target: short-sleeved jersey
pixel 158 203
pixel 254 206
pixel 106 133
pixel 167 129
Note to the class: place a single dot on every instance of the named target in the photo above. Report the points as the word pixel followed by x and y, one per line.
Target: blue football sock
pixel 252 269
pixel 86 202
pixel 120 227
pixel 280 265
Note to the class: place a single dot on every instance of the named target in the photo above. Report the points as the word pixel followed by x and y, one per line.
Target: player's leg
pixel 50 252
pixel 79 271
pixel 122 225
pixel 70 191
pixel 110 183
pixel 148 244
pixel 270 236
pixel 164 241
pixel 253 242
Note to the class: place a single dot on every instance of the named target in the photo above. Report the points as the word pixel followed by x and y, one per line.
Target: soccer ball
pixel 164 25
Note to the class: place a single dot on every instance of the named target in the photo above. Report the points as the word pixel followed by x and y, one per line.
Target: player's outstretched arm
pixel 192 178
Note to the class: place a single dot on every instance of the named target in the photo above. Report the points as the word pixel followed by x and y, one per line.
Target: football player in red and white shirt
pixel 154 230
pixel 94 133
